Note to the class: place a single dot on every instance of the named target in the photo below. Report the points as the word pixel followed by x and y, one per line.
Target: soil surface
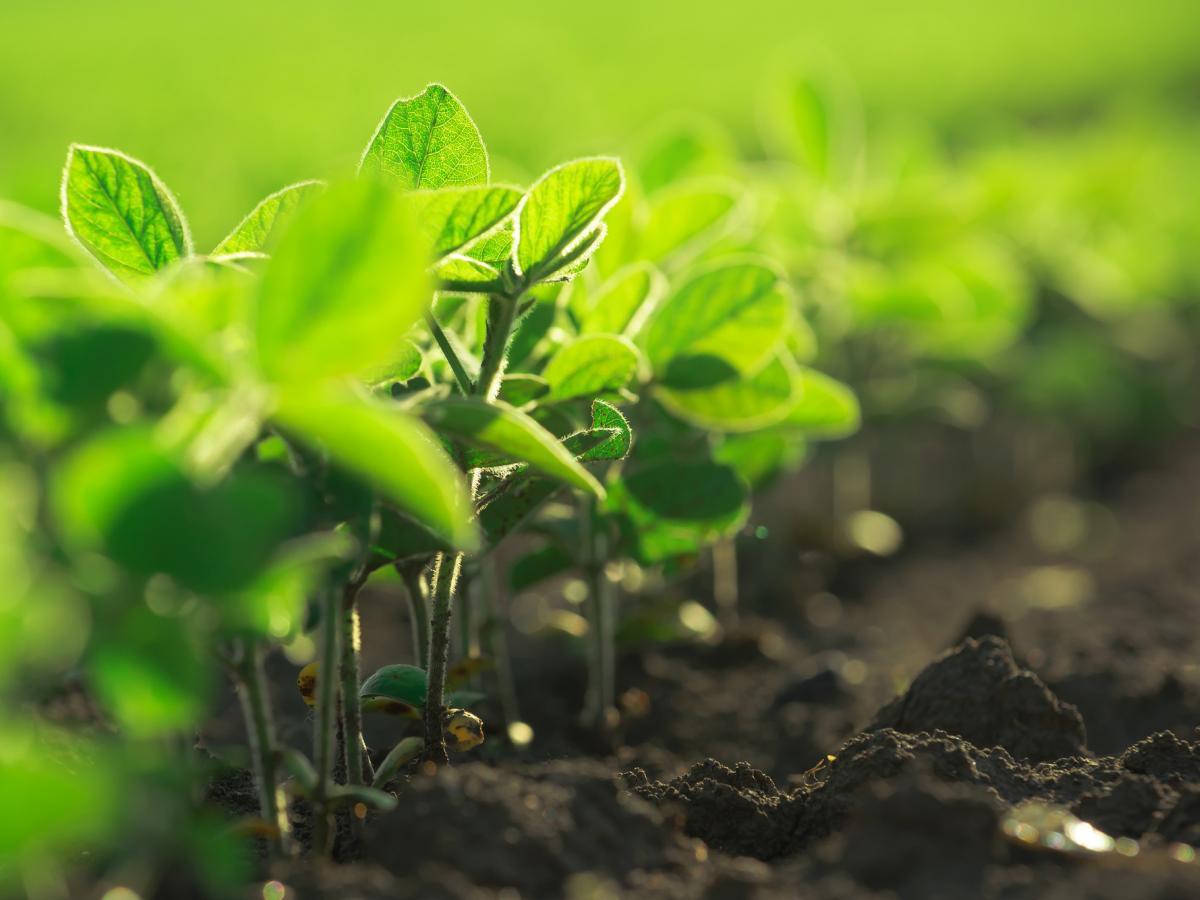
pixel 1009 715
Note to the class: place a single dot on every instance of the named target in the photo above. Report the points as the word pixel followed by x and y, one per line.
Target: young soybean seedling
pixel 501 244
pixel 346 277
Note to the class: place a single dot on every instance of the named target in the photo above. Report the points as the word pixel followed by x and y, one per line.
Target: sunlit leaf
pixel 737 403
pixel 825 407
pixel 347 280
pixel 260 230
pixel 123 495
pixel 392 450
pixel 427 141
pixel 562 209
pixel 675 507
pixel 120 211
pixel 591 365
pixel 451 218
pixel 499 427
pixel 685 217
pixel 737 312
pixel 622 303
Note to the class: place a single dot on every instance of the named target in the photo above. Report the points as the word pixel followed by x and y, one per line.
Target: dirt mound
pixel 531 828
pixel 738 810
pixel 978 692
pixel 973 719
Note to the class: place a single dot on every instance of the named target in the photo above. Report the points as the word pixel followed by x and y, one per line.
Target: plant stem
pixel 496 641
pixel 323 738
pixel 501 313
pixel 445 574
pixel 725 580
pixel 448 351
pixel 260 730
pixel 357 762
pixel 418 613
pixel 600 704
pixel 466 610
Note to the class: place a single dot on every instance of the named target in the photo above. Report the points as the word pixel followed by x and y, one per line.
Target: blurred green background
pixel 229 100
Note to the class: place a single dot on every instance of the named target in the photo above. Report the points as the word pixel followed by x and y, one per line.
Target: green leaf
pixel 148 671
pixel 121 213
pixel 451 218
pixel 737 404
pixel 561 211
pixel 591 365
pixel 30 240
pixel 391 450
pixel 124 495
pixel 40 777
pixel 505 511
pixel 405 363
pixel 684 149
pixel 622 303
pixel 519 389
pixel 818 121
pixel 259 231
pixel 538 565
pixel 402 683
pixel 826 408
pixel 347 279
pixel 427 141
pixel 606 418
pixel 738 312
pixel 499 427
pixel 757 456
pixel 686 217
pixel 673 507
pixel 463 274
pixel 476 269
pixel 609 437
pixel 346 796
pixel 400 539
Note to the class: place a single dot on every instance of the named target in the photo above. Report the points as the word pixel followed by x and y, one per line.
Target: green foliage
pixel 427 141
pixel 826 408
pixel 451 218
pixel 396 686
pixel 121 213
pixel 713 395
pixel 416 366
pixel 687 215
pixel 347 281
pixel 590 366
pixel 621 304
pixel 736 313
pixel 674 508
pixel 391 449
pixel 505 430
pixel 258 232
pixel 561 212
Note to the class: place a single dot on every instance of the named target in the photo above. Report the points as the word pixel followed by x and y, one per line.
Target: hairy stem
pixel 600 703
pixel 725 580
pixel 418 613
pixel 496 641
pixel 445 574
pixel 357 763
pixel 501 313
pixel 260 729
pixel 323 738
pixel 448 351
pixel 466 613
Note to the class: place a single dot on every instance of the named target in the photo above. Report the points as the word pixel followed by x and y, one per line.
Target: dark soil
pixel 920 727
